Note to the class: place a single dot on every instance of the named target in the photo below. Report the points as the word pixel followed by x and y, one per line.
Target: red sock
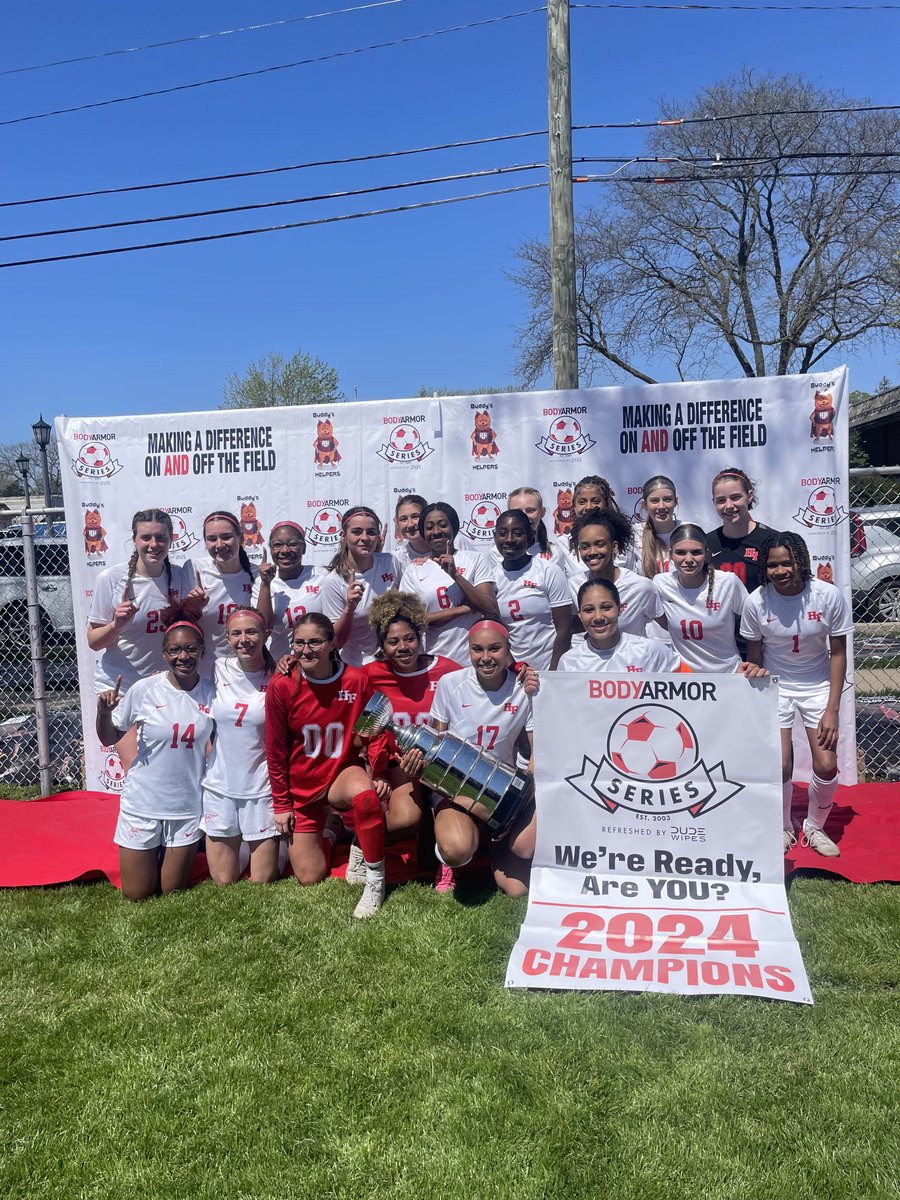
pixel 369 818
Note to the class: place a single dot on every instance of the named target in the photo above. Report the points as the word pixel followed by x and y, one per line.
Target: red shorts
pixel 310 817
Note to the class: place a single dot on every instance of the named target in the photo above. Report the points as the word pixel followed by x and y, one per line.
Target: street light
pixel 23 464
pixel 42 431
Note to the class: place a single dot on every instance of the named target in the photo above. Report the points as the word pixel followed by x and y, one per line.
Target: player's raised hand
pixel 355 589
pixel 267 570
pixel 198 591
pixel 126 608
pixel 108 700
pixel 445 560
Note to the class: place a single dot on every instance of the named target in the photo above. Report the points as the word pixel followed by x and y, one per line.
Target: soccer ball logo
pixel 485 516
pixel 327 522
pixel 94 456
pixel 405 438
pixel 565 431
pixel 112 774
pixel 652 742
pixel 182 538
pixel 823 502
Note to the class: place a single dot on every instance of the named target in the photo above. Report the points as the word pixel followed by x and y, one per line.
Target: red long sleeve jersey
pixel 410 695
pixel 309 733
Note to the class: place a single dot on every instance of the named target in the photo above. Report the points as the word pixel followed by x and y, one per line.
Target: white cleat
pixel 371 900
pixel 819 841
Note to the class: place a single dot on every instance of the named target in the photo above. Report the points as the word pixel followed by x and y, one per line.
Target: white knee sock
pixel 443 860
pixel 821 798
pixel 787 791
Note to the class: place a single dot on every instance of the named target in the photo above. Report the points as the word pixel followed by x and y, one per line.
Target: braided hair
pixel 612 520
pixel 693 533
pixel 540 530
pixel 653 548
pixel 231 519
pixel 148 516
pixel 798 553
pixel 603 486
pixel 341 563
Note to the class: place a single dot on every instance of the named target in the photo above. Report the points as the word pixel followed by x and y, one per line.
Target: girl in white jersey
pixel 159 813
pixel 701 605
pixel 599 536
pixel 286 590
pixel 455 586
pixel 237 798
pixel 222 581
pixel 791 622
pixel 659 501
pixel 407 530
pixel 530 501
pixel 124 623
pixel 532 596
pixel 356 575
pixel 486 704
pixel 605 647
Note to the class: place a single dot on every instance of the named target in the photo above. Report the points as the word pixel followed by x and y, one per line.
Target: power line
pixel 303 62
pixel 744 7
pixel 199 37
pixel 723 178
pixel 323 162
pixel 236 208
pixel 716 160
pixel 775 112
pixel 214 237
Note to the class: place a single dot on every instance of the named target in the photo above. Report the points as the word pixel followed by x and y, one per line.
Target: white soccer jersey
pixel 794 630
pixel 640 600
pixel 571 564
pixel 524 599
pixel 173 727
pixel 383 575
pixel 703 635
pixel 492 720
pixel 237 765
pixel 437 591
pixel 138 651
pixel 635 554
pixel 226 593
pixel 292 599
pixel 631 653
pixel 554 553
pixel 404 555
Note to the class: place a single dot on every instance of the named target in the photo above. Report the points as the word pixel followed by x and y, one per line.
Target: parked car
pixel 875 562
pixel 54 589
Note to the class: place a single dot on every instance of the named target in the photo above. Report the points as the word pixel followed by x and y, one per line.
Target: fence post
pixel 37 654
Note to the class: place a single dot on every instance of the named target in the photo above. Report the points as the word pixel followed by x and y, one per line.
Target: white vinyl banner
pixel 310 464
pixel 659 863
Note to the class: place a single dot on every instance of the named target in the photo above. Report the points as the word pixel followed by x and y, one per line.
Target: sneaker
pixel 790 839
pixel 356 865
pixel 819 841
pixel 444 879
pixel 371 899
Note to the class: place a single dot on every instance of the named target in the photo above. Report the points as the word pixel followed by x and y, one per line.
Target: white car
pixel 54 589
pixel 875 562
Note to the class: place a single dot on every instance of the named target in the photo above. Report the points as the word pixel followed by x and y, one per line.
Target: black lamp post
pixel 42 431
pixel 23 464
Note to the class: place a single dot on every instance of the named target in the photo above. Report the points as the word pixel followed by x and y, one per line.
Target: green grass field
pixel 255 1043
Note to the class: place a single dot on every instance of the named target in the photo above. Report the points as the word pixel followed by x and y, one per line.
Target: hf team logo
pixel 565 436
pixel 112 773
pixel 653 765
pixel 95 461
pixel 821 510
pixel 405 443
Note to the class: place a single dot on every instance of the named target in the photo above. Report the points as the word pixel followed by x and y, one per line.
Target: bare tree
pixel 11 479
pixel 781 245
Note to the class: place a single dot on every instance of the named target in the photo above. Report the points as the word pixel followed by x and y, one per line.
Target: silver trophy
pixel 487 789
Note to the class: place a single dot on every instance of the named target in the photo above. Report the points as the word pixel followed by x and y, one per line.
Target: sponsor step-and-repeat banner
pixel 659 863
pixel 310 464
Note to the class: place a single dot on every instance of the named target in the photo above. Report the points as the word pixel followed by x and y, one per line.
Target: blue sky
pixel 393 302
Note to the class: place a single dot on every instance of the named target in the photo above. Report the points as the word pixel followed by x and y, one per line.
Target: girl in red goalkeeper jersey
pixel 316 760
pixel 408 677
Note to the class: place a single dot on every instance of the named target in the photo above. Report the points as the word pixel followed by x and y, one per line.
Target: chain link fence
pixel 42 679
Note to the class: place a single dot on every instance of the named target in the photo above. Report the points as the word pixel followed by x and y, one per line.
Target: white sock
pixel 821 799
pixel 443 860
pixel 375 872
pixel 787 791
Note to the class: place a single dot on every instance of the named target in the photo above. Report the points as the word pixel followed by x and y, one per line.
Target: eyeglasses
pixel 190 651
pixel 276 546
pixel 313 643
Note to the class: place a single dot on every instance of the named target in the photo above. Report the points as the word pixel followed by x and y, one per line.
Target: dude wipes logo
pixel 653 765
pixel 95 461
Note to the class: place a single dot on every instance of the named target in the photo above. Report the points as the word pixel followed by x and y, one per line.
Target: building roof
pixel 875 410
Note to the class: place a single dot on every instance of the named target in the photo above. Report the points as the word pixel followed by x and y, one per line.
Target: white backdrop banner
pixel 310 464
pixel 659 863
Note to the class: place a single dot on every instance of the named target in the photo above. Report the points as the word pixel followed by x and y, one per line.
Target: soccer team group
pixel 232 691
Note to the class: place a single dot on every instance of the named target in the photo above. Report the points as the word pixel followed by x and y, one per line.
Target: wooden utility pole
pixel 562 222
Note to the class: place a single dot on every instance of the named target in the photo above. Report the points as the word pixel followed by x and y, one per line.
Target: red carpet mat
pixel 68 837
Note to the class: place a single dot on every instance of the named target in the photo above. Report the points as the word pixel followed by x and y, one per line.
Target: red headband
pixel 189 624
pixel 247 612
pixel 494 626
pixel 288 525
pixel 221 515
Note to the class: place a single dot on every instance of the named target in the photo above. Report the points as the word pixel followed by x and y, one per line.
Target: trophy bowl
pixel 487 789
